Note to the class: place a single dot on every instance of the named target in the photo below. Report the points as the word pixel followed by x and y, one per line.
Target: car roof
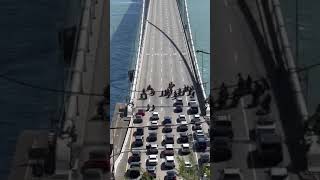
pixel 169 158
pixel 179 99
pixel 197 116
pixel 167 117
pixel 155 113
pixel 199 131
pixel 184 122
pixel 182 115
pixel 185 145
pixel 168 135
pixel 154 145
pixel 169 146
pixel 154 156
pixel 139 137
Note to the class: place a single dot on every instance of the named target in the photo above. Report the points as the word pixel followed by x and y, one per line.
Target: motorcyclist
pixel 153 107
pixel 148 107
pixel 149 87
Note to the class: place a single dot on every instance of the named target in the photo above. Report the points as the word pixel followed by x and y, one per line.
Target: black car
pixel 139 132
pixel 138 119
pixel 169 139
pixel 152 151
pixel 197 126
pixel 171 175
pixel 167 129
pixel 182 128
pixel 152 137
pixel 178 109
pixel 193 109
pixel 201 143
pixel 167 120
pixel 204 158
pixel 138 143
pixel 136 157
pixel 133 172
pixel 183 138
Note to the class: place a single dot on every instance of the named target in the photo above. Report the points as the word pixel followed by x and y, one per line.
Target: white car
pixel 185 148
pixel 187 164
pixel 195 118
pixel 154 123
pixel 192 101
pixel 181 118
pixel 152 160
pixel 155 116
pixel 169 162
pixel 199 133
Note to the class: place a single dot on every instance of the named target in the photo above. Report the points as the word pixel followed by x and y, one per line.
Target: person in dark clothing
pixel 265 83
pixel 249 83
pixel 241 83
pixel 148 107
pixel 149 87
pixel 143 90
pixel 161 93
pixel 265 104
pixel 193 93
pixel 153 107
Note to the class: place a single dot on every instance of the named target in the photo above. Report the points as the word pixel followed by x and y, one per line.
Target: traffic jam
pixel 161 139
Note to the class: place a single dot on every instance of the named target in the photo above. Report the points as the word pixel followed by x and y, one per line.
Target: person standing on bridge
pixel 241 83
pixel 249 84
pixel 265 83
pixel 148 107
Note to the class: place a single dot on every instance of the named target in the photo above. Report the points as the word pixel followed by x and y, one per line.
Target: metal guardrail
pixel 184 15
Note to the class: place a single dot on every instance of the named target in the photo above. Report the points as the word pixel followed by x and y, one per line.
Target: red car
pixel 141 112
pixel 100 164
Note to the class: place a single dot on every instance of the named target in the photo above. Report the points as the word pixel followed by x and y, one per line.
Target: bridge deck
pixel 236 52
pixel 165 58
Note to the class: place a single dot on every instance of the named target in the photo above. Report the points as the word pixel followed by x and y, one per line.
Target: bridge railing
pixel 184 15
pixel 273 10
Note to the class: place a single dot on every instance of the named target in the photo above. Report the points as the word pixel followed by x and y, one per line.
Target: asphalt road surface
pixel 161 63
pixel 237 52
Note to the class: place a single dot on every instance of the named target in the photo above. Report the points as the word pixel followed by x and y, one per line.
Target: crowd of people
pixel 257 89
pixel 168 92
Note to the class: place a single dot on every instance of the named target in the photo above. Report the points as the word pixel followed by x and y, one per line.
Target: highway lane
pixel 236 52
pixel 160 64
